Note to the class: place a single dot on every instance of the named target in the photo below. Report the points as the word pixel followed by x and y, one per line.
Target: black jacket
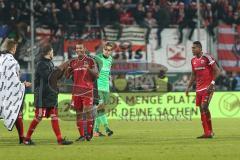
pixel 44 95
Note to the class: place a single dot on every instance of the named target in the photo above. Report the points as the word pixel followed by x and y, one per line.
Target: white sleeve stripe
pixel 209 57
pixel 211 62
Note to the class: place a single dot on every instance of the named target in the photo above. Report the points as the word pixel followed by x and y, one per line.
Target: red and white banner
pixel 130 47
pixel 228 47
pixel 176 57
pixel 125 51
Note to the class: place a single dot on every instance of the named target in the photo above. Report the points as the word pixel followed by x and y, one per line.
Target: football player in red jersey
pixel 204 73
pixel 83 71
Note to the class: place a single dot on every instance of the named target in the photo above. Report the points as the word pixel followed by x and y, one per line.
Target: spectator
pixel 236 49
pixel 53 15
pixel 38 9
pixel 220 10
pixel 139 15
pixel 236 82
pixel 49 16
pixel 208 21
pixel 234 4
pixel 107 14
pixel 189 20
pixel 181 83
pixel 126 17
pixel 238 7
pixel 150 19
pixel 12 14
pixel 163 19
pixel 65 16
pixel 161 82
pixel 80 17
pixel 24 15
pixel 223 82
pixel 91 13
pixel 3 12
pixel 151 6
pixel 236 19
pixel 180 12
pixel 229 17
pixel 110 15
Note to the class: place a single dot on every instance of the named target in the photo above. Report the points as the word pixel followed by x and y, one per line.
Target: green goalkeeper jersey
pixel 104 65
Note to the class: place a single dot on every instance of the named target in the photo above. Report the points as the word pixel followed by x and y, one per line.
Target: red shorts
pixel 46 112
pixel 78 102
pixel 203 96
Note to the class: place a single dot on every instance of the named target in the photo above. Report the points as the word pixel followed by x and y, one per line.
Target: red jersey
pixel 203 69
pixel 82 79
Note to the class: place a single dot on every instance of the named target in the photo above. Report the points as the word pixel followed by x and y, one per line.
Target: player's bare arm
pixel 216 73
pixel 94 71
pixel 68 72
pixel 64 66
pixel 192 79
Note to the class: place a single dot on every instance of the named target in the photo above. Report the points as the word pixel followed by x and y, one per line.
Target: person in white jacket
pixel 11 90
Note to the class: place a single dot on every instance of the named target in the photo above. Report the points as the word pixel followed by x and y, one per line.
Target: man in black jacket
pixel 45 98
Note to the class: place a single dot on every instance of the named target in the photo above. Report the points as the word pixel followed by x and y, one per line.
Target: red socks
pixel 56 128
pixel 209 121
pixel 206 123
pixel 19 125
pixel 32 127
pixel 89 126
pixel 82 125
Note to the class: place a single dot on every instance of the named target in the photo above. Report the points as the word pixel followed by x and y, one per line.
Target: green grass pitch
pixel 160 140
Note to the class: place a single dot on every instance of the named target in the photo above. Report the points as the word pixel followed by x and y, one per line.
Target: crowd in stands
pixel 62 14
pixel 145 13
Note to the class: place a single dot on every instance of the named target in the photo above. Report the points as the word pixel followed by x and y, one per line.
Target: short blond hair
pixel 10 44
pixel 109 44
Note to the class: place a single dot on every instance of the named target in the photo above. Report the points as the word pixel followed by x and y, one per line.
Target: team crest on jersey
pixel 202 61
pixel 176 55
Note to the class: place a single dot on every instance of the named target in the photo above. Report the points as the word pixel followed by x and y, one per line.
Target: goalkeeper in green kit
pixel 104 62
